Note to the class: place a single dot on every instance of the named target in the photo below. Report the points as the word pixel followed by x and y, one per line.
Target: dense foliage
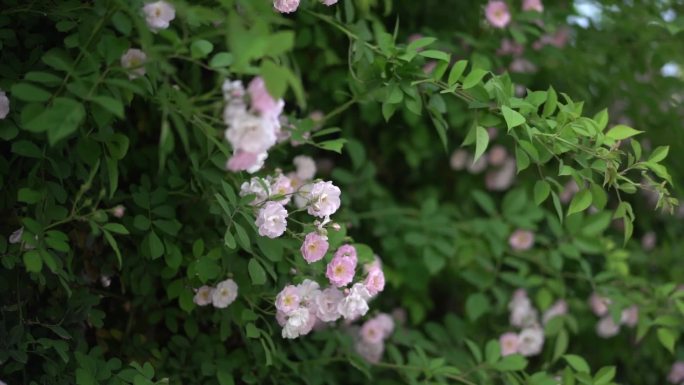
pixel 353 191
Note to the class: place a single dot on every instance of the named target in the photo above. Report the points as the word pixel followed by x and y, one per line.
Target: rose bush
pixel 267 191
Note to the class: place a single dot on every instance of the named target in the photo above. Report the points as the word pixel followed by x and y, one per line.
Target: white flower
pixel 252 134
pixel 371 352
pixel 306 167
pixel 203 296
pixel 233 112
pixel 297 323
pixel 308 291
pixel 281 185
pixel 607 328
pixel 15 237
pixel 232 89
pixel 355 304
pixel 134 61
pixel 558 309
pixel 4 105
pixel 324 199
pixel 530 341
pixel 272 220
pixel 158 15
pixel 257 186
pixel 224 294
pixel 327 304
pixel 301 196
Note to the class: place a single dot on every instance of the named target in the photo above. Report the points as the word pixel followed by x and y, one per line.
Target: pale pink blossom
pixel 557 309
pixel 286 6
pixel 242 161
pixel 429 67
pixel 233 90
pixel 497 155
pixel 347 251
pixel 599 305
pixel 376 264
pixel 521 240
pixel 399 314
pixel 355 303
pixel 607 328
pixel 569 191
pixel 375 281
pixel 314 247
pixel 340 271
pixel 118 211
pixel 281 186
pixel 4 105
pixel 272 220
pixel 386 324
pixel 676 375
pixel 252 133
pixel 224 294
pixel 306 167
pixel 329 2
pixel 522 66
pixel 523 314
pixel 159 15
pixel 327 304
pixel 370 352
pixel 302 192
pixel 324 199
pixel 531 341
pixel 509 343
pixel 501 179
pixel 203 296
pixel 533 5
pixel 261 100
pixel 459 159
pixel 497 14
pixel 288 299
pixel 648 241
pixel 257 186
pixel 308 291
pixel 477 166
pixel 134 61
pixel 630 316
pixel 372 331
pixel 299 322
pixel 509 47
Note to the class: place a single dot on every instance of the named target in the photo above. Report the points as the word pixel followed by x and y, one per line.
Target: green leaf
pixel 551 102
pixel 561 345
pixel 420 43
pixel 481 142
pixel 110 104
pixel 541 191
pixel 221 60
pixel 201 48
pixel 335 145
pixel 435 54
pixel 457 71
pixel 252 331
pixel 256 272
pixel 29 92
pixel 512 117
pixel 276 78
pixel 112 243
pixel 621 132
pixel 28 195
pixel 116 228
pixel 667 338
pixel 578 363
pixel 492 352
pixel 477 304
pixel 60 120
pixel 473 78
pixel 33 261
pixel 155 244
pixel 580 202
pixel 511 363
pixel 605 375
pixel 658 154
pixel 27 149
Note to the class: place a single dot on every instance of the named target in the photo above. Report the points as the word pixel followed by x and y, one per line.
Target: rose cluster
pixel 301 307
pixel 530 340
pixel 220 296
pixel 370 342
pixel 607 327
pixel 252 117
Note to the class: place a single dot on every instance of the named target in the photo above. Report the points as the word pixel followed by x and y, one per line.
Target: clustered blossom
pixel 253 120
pixel 134 61
pixel 301 307
pixel 289 6
pixel 370 343
pixel 521 240
pixel 4 105
pixel 220 296
pixel 607 327
pixel 530 340
pixel 159 15
pixel 676 375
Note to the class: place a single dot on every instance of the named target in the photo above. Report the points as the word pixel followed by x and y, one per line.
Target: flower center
pixel 339 270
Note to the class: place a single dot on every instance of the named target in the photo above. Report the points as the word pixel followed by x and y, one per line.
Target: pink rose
pixel 375 281
pixel 314 247
pixel 286 6
pixel 533 5
pixel 521 240
pixel 497 14
pixel 347 251
pixel 599 305
pixel 261 101
pixel 340 271
pixel 509 343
